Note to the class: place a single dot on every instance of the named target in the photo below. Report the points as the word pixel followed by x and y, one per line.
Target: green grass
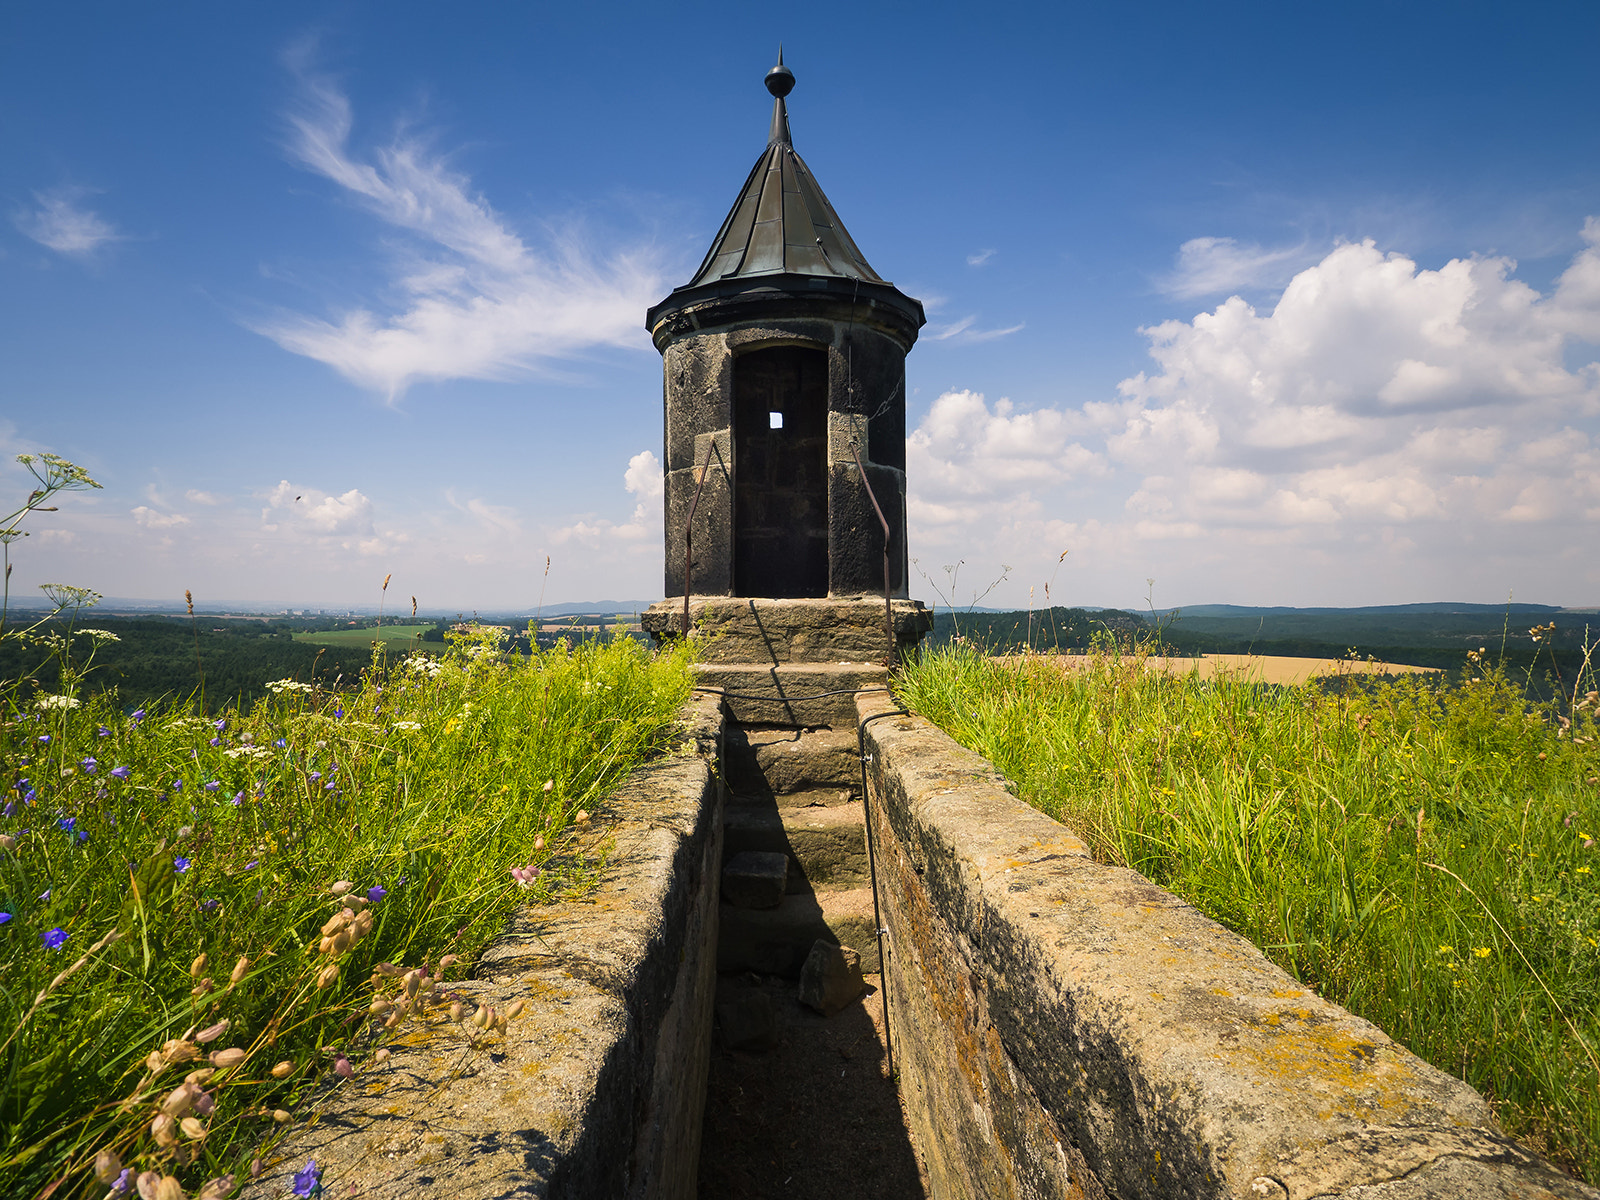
pixel 388 634
pixel 217 848
pixel 1422 854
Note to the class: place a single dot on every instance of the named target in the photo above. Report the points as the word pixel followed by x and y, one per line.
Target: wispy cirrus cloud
pixel 1210 266
pixel 476 301
pixel 61 222
pixel 966 330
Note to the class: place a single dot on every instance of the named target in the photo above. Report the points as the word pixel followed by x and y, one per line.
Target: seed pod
pixel 193 1128
pixel 483 1016
pixel 379 1006
pixel 146 1183
pixel 197 966
pixel 200 989
pixel 281 1117
pixel 154 1063
pixel 240 969
pixel 212 1032
pixel 202 1076
pixel 333 924
pixel 164 1129
pixel 449 960
pixel 180 1100
pixel 516 1009
pixel 107 1166
pixel 382 1055
pixel 389 969
pixel 342 1067
pixel 217 1188
pixel 178 1050
pixel 283 1070
pixel 327 975
pixel 538 842
pixel 340 942
pixel 169 1189
pixel 343 886
pixel 225 1059
pixel 394 1019
pixel 581 817
pixel 455 1011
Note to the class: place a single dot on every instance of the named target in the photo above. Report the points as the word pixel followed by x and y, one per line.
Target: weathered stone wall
pixel 1067 1029
pixel 598 1089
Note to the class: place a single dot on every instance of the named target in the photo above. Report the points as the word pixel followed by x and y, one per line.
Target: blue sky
pixel 1276 304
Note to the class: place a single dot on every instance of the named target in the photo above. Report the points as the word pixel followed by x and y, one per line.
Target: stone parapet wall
pixel 598 1089
pixel 1064 1028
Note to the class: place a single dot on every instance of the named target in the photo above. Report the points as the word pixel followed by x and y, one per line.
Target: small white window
pixel 775 420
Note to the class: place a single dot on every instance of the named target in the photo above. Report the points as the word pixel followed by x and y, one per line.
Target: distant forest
pixel 1419 635
pixel 161 658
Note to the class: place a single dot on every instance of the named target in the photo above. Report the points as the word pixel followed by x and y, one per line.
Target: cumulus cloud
pixel 152 518
pixel 643 479
pixel 318 513
pixel 1210 266
pixel 475 300
pixel 61 222
pixel 1377 408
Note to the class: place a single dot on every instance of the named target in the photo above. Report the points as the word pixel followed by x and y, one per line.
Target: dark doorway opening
pixel 780 473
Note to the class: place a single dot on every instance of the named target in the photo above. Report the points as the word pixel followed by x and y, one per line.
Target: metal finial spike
pixel 780 80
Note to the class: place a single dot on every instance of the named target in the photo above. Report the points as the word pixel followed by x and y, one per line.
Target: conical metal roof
pixel 782 222
pixel 783 251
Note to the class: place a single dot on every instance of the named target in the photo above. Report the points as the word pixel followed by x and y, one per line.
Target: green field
pixel 389 634
pixel 1423 853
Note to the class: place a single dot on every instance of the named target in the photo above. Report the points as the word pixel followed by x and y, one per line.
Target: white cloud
pixel 476 301
pixel 966 330
pixel 153 519
pixel 642 479
pixel 62 222
pixel 1210 266
pixel 319 513
pixel 980 258
pixel 1381 424
pixel 210 499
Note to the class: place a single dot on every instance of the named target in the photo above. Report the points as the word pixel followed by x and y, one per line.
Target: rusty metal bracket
pixel 888 611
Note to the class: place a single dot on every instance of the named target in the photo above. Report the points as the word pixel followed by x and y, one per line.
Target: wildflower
pixel 55 939
pixel 375 893
pixel 102 731
pixel 137 715
pixel 216 741
pixel 408 726
pixel 6 918
pixel 314 776
pixel 309 1181
pixel 1481 951
pixel 44 739
pixel 90 766
pixel 181 864
pixel 238 799
pixel 280 743
pixel 177 785
pixel 525 876
pixel 56 702
pixel 66 823
pixel 212 785
pixel 120 772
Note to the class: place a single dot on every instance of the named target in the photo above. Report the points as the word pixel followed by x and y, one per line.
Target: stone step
pixel 732 630
pixel 775 941
pixel 789 685
pixel 777 761
pixel 760 797
pixel 827 847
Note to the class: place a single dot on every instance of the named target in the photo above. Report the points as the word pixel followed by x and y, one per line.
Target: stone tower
pixel 785 365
